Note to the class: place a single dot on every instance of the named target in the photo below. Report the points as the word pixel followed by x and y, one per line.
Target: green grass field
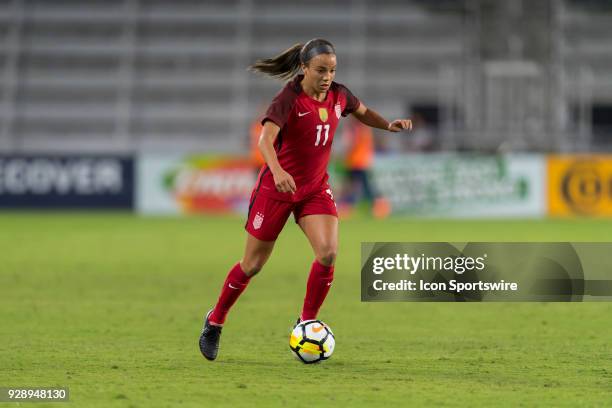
pixel 110 305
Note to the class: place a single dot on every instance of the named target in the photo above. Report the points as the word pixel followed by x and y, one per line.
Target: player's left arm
pixel 371 118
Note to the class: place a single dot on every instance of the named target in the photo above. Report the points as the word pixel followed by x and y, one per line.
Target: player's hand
pixel 284 182
pixel 399 124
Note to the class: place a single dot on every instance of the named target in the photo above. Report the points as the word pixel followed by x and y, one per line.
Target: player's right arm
pixel 282 180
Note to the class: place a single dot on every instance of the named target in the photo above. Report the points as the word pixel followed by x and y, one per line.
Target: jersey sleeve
pixel 352 102
pixel 280 108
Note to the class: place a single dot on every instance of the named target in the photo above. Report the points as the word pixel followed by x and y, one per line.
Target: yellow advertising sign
pixel 580 185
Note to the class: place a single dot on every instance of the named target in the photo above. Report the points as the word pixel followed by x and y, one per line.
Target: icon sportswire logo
pixel 300 114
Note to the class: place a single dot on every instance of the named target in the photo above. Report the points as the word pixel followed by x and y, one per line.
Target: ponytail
pixel 286 64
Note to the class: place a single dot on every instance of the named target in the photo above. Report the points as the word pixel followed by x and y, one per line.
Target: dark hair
pixel 286 64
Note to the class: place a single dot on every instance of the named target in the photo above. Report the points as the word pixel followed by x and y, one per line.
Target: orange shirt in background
pixel 360 146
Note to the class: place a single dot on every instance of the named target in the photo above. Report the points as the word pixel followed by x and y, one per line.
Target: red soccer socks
pixel 319 282
pixel 235 283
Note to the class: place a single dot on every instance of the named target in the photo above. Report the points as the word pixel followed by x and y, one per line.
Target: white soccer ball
pixel 312 341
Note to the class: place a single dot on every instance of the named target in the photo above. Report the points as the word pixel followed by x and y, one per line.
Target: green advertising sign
pixel 464 185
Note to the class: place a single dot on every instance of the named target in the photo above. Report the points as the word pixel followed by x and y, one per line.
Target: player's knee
pixel 252 267
pixel 327 255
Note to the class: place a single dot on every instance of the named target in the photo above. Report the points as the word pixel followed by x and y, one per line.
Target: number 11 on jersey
pixel 319 129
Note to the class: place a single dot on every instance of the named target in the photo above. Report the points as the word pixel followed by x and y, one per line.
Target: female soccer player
pixel 298 130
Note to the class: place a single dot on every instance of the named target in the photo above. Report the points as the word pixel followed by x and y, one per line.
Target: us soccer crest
pixel 338 110
pixel 258 220
pixel 323 114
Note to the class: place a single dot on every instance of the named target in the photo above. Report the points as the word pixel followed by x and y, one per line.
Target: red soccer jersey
pixel 303 145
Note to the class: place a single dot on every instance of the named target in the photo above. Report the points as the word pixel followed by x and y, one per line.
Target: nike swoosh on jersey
pixel 300 114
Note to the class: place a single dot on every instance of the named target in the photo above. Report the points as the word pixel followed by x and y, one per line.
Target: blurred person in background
pixel 298 131
pixel 358 159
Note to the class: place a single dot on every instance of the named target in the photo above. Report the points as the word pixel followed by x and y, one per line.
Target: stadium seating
pixel 152 74
pixel 132 75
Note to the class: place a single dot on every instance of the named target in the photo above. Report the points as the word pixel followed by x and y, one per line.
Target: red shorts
pixel 268 216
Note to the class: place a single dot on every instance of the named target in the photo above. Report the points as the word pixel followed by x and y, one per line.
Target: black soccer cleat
pixel 209 339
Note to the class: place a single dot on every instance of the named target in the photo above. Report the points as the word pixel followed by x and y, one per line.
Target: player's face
pixel 320 71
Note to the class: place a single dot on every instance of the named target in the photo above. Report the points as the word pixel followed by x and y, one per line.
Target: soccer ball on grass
pixel 312 341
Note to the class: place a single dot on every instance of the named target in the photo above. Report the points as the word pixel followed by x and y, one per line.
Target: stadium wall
pixel 419 185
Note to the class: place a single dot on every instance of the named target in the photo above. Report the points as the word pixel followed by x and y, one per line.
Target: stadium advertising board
pixel 462 185
pixel 181 184
pixel 66 181
pixel 580 185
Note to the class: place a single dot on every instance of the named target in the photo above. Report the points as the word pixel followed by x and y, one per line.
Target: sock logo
pixel 258 220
